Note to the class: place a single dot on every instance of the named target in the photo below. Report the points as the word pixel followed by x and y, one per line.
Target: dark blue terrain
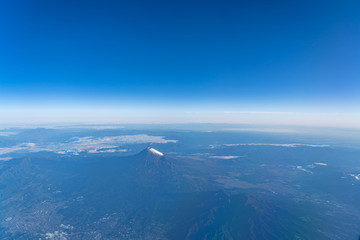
pixel 175 183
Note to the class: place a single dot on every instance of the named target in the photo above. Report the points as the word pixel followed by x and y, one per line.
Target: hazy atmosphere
pixel 180 61
pixel 173 120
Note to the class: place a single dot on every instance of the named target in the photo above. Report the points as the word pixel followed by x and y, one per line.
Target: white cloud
pixel 124 139
pixel 321 164
pixel 29 147
pixel 58 235
pixel 277 144
pixel 109 144
pixel 90 144
pixel 226 157
pixel 265 130
pixel 6 134
pixel 111 150
pixel 256 112
pixel 357 177
pixel 303 169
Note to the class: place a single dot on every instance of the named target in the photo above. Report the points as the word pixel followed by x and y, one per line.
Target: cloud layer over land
pixel 89 144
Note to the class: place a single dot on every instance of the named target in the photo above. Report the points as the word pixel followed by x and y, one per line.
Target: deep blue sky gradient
pixel 253 54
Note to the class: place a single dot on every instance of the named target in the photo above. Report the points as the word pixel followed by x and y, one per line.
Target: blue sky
pixel 212 56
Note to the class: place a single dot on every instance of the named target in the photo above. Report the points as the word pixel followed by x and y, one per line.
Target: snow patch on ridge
pixel 156 152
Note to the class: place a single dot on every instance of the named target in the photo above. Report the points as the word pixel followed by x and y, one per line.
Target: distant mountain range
pixel 40 194
pixel 151 195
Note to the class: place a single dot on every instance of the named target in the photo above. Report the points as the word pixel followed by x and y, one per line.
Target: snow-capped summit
pixel 154 151
pixel 150 154
pixel 151 157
